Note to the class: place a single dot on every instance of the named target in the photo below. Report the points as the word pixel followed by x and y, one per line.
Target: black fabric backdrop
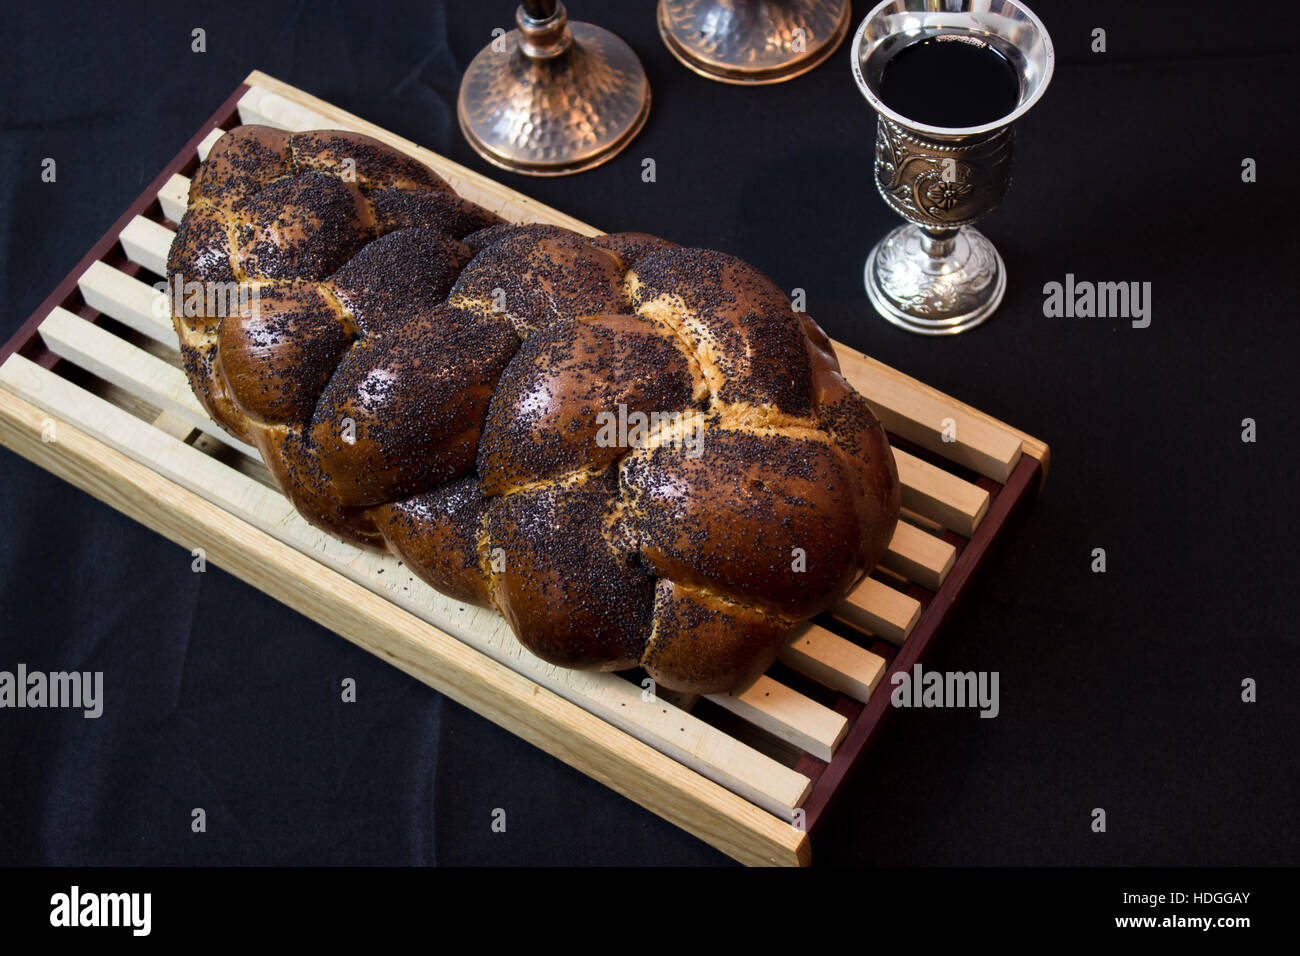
pixel 1118 690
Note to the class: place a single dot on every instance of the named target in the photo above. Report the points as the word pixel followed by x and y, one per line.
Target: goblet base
pixel 930 294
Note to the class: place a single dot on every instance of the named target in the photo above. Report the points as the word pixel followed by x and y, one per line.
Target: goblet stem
pixel 938 243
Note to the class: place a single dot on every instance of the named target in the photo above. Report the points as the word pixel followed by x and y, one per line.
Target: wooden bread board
pixel 97 368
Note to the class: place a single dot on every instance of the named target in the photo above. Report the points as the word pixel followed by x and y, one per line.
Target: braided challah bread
pixel 639 453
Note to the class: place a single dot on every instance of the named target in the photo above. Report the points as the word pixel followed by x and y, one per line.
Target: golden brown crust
pixel 443 212
pixel 402 413
pixel 556 408
pixel 707 643
pixel 239 165
pixel 401 276
pixel 276 360
pixel 301 227
pixel 638 453
pixel 741 325
pixel 769 519
pixel 538 275
pixel 297 471
pixel 574 598
pixel 352 157
pixel 437 535
pixel 628 247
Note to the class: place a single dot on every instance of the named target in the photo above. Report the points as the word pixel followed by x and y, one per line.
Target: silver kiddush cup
pixel 937 275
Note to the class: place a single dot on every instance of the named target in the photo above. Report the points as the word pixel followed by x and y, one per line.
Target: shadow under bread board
pixel 750 773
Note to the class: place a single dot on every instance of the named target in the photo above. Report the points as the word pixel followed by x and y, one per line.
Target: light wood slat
pixel 940 495
pixel 208 142
pixel 679 699
pixel 147 243
pixel 135 304
pixel 920 413
pixel 170 424
pixel 133 370
pixel 174 197
pixel 150 243
pixel 742 769
pixel 920 556
pixel 921 521
pixel 880 610
pixel 581 739
pixel 788 715
pixel 834 662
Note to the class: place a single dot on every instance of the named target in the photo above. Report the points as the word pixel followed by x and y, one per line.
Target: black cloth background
pixel 1118 690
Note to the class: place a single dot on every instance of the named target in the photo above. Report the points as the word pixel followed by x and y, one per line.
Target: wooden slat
pixel 788 715
pixel 150 243
pixel 208 142
pixel 132 302
pixel 178 428
pixel 147 243
pixel 920 556
pixel 742 769
pixel 940 495
pixel 880 610
pixel 679 699
pixel 174 197
pixel 922 414
pixel 133 370
pixel 580 738
pixel 831 660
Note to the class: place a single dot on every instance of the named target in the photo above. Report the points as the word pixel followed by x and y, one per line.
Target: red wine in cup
pixel 950 81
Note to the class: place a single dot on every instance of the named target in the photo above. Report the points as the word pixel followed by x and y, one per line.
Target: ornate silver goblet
pixel 937 275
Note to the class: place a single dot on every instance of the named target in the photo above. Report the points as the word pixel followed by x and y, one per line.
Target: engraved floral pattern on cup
pixel 934 183
pixel 943 195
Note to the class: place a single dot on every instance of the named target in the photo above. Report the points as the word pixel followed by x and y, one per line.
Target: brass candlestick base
pixel 753 41
pixel 553 97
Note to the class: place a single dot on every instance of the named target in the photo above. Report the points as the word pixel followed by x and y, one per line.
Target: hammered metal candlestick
pixel 552 97
pixel 937 275
pixel 753 41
